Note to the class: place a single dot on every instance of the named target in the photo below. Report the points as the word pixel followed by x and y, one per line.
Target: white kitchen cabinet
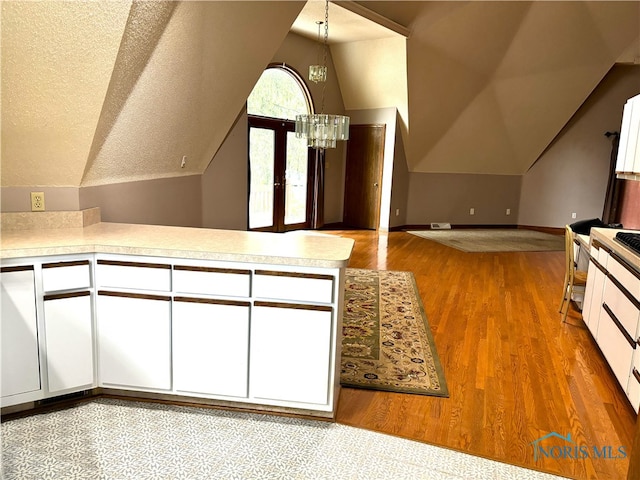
pixel 210 346
pixel 134 340
pixel 69 341
pixel 66 275
pixel 293 287
pixel 616 345
pixel 20 352
pixel 628 159
pixel 291 353
pixel 596 276
pixel 233 282
pixel 133 275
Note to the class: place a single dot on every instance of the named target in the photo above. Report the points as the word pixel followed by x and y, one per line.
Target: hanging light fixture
pixel 322 130
pixel 318 72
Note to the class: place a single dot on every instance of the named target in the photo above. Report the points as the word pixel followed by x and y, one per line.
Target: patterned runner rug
pixel 387 344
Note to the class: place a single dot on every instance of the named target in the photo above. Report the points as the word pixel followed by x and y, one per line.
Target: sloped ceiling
pixel 97 92
pixel 490 84
pixel 57 61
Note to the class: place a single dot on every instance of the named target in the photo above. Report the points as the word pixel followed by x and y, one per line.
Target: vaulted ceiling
pixel 103 92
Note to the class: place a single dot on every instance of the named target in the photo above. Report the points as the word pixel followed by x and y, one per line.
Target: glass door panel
pixel 261 160
pixel 296 177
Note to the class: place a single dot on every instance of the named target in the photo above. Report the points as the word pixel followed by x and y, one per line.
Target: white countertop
pixel 312 250
pixel 606 236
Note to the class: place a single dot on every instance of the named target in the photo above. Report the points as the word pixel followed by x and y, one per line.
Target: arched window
pixel 281 166
pixel 280 93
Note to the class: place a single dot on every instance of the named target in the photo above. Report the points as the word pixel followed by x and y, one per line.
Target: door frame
pixel 378 173
pixel 280 127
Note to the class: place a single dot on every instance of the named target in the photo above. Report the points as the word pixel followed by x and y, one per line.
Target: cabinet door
pixel 598 278
pixel 210 346
pixel 20 358
pixel 616 346
pixel 290 353
pixel 69 341
pixel 134 344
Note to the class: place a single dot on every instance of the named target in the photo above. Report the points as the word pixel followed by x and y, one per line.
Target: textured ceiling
pixel 98 92
pixel 57 60
pixel 490 84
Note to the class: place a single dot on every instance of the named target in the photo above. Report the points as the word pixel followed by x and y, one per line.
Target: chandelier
pixel 320 129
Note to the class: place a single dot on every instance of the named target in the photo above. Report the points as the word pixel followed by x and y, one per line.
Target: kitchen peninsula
pixel 231 318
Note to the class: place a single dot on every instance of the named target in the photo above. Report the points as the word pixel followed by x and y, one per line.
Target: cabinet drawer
pixel 629 279
pixel 133 275
pixel 212 281
pixel 603 257
pixel 66 275
pixel 622 307
pixel 299 287
pixel 617 348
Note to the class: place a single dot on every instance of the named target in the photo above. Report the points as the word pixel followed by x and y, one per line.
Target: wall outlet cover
pixel 37 201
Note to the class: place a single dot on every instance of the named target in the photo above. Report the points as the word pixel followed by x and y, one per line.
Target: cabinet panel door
pixel 290 354
pixel 210 348
pixel 20 358
pixel 595 308
pixel 616 348
pixel 134 342
pixel 588 293
pixel 69 342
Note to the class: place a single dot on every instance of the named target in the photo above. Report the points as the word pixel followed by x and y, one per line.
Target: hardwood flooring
pixel 515 372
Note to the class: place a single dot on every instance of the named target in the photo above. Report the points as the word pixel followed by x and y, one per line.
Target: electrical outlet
pixel 573 215
pixel 508 211
pixel 397 212
pixel 472 211
pixel 37 201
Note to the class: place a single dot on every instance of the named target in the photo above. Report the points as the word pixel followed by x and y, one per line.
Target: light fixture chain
pixel 326 46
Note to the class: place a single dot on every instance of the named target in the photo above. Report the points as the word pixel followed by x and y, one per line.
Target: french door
pixel 279 176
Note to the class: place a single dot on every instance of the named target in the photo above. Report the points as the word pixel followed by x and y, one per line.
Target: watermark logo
pixel 566 448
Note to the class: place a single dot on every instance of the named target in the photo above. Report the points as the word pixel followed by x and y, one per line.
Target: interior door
pixel 363 178
pixel 279 193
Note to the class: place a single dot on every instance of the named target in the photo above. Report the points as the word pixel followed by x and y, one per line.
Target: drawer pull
pixel 212 270
pixel 76 263
pixel 617 323
pixel 295 306
pixel 212 301
pixel 142 296
pixel 119 263
pixel 21 268
pixel 314 276
pixel 636 374
pixel 60 296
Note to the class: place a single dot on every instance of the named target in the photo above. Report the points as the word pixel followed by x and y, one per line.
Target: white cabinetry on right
pixel 613 316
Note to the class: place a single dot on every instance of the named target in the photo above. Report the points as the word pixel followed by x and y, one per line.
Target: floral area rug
pixel 387 344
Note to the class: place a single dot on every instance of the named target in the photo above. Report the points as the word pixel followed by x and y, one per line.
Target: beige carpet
pixel 494 240
pixel 387 343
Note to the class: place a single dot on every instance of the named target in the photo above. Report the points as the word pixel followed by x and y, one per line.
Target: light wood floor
pixel 514 371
